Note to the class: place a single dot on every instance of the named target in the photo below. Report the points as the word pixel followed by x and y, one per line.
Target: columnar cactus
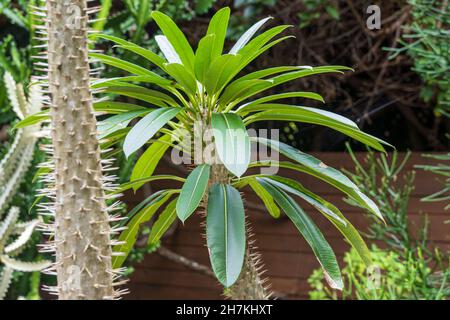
pixel 10 248
pixel 16 162
pixel 82 232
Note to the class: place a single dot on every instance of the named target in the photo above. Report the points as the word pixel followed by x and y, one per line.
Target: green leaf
pixel 146 164
pixel 114 138
pixel 236 90
pixel 168 50
pixel 164 221
pixel 147 54
pixel 146 128
pixel 192 192
pixel 204 57
pixel 112 107
pixel 136 184
pixel 153 97
pixel 176 38
pixel 129 236
pixel 328 119
pixel 308 229
pixel 221 71
pixel 259 74
pixel 245 38
pixel 232 142
pixel 183 76
pixel 265 197
pixel 297 189
pixel 225 232
pixel 40 172
pixel 260 41
pixel 330 212
pixel 121 81
pixel 117 122
pixel 122 64
pixel 33 119
pixel 280 79
pixel 309 95
pixel 218 26
pixel 317 168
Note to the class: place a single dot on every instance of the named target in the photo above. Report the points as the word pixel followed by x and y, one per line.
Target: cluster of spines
pixel 48 207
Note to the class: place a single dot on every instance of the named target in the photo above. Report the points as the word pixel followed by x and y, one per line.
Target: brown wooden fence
pixel 288 259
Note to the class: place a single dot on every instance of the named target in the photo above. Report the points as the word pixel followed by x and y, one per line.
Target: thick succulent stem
pixel 249 285
pixel 82 230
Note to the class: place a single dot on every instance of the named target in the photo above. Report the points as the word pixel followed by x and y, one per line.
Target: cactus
pixel 18 159
pixel 76 185
pixel 9 249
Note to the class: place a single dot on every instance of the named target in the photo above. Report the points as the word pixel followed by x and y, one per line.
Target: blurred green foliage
pixel 394 278
pixel 427 41
pixel 412 268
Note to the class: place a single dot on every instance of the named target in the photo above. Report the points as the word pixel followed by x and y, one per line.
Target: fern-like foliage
pixel 14 237
pixel 18 159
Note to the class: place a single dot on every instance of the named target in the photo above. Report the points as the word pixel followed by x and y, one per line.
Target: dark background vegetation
pixel 383 95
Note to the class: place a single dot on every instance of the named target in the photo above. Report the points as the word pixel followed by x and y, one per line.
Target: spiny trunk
pixel 82 230
pixel 249 285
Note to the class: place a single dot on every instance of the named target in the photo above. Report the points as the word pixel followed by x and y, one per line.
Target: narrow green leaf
pixel 114 107
pixel 168 50
pixel 40 172
pixel 265 197
pixel 153 97
pixel 221 71
pixel 122 64
pixel 204 57
pixel 225 232
pixel 146 128
pixel 261 40
pixel 317 168
pixel 330 212
pixel 129 236
pixel 117 122
pixel 176 38
pixel 147 163
pixel 263 73
pixel 136 184
pixel 353 194
pixel 286 77
pixel 308 229
pixel 164 221
pixel 232 142
pixel 183 76
pixel 328 119
pixel 245 38
pixel 297 189
pixel 147 54
pixel 218 26
pixel 309 95
pixel 33 119
pixel 236 90
pixel 121 81
pixel 192 192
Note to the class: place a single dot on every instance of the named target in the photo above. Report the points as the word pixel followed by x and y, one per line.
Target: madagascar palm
pixel 201 90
